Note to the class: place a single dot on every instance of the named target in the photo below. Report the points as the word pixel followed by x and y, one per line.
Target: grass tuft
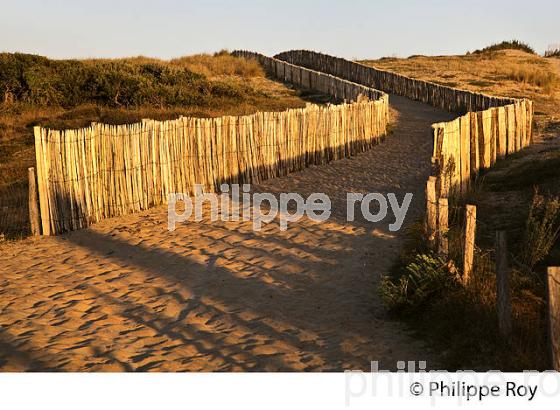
pixel 541 230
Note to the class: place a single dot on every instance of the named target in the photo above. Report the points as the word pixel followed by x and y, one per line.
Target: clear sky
pixel 352 29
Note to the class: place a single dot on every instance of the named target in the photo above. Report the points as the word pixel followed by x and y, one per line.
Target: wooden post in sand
pixel 468 253
pixel 553 285
pixel 431 209
pixel 443 217
pixel 33 207
pixel 503 292
pixel 41 181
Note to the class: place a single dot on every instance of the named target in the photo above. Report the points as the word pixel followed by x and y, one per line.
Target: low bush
pixel 507 45
pixel 119 83
pixel 424 277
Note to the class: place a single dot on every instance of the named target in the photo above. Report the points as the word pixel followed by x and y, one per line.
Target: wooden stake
pixel 443 216
pixel 41 158
pixel 34 219
pixel 503 293
pixel 553 283
pixel 465 152
pixel 431 208
pixel 468 254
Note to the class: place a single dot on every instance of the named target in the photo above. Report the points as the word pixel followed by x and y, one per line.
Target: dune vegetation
pixel 507 45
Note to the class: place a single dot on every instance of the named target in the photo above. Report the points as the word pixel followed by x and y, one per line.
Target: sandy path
pixel 127 294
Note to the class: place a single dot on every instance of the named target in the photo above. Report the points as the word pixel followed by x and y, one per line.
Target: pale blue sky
pixel 352 29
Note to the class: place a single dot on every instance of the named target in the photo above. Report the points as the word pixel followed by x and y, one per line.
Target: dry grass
pixel 545 79
pixel 220 64
pixel 208 65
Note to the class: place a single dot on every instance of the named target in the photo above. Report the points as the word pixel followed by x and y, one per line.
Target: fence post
pixel 41 181
pixel 33 201
pixel 553 284
pixel 468 254
pixel 443 219
pixel 431 208
pixel 503 294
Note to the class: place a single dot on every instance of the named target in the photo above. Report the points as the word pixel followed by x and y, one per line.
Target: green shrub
pixel 424 277
pixel 115 83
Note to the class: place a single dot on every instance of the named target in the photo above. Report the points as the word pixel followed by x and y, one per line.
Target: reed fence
pixel 101 171
pixel 475 141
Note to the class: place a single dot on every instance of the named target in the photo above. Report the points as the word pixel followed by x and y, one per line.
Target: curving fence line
pixel 309 78
pixel 488 129
pixel 101 171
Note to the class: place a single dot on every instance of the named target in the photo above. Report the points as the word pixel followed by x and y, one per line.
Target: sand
pixel 127 294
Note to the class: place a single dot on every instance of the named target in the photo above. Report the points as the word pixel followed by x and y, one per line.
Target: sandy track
pixel 126 294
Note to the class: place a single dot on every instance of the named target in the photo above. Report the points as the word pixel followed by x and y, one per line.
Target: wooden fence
pixel 440 96
pixel 336 86
pixel 101 171
pixel 491 127
pixel 476 140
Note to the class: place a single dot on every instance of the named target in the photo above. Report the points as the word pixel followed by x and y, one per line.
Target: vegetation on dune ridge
pixel 127 82
pixel 507 45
